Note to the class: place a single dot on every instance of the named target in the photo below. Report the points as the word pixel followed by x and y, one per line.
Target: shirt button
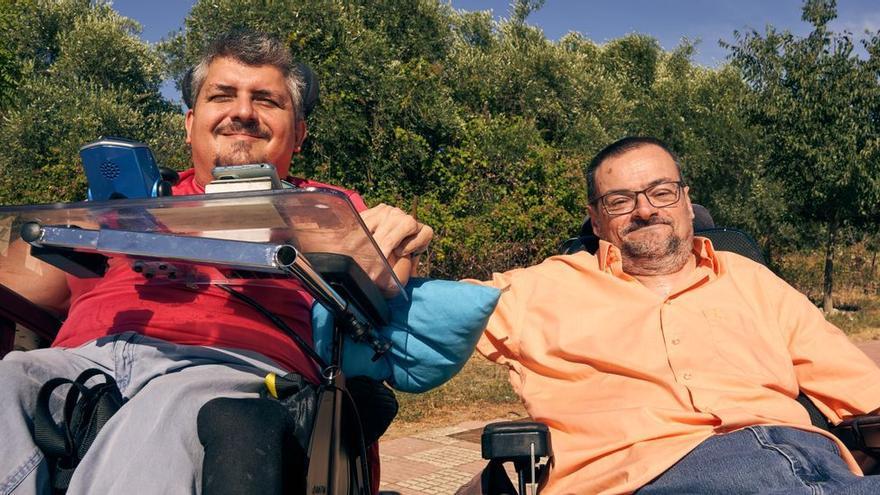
pixel 687 376
pixel 676 341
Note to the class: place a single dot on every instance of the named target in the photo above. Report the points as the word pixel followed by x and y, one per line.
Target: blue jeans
pixel 766 460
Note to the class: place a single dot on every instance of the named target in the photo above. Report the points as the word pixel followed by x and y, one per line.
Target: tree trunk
pixel 828 286
pixel 870 286
pixel 873 264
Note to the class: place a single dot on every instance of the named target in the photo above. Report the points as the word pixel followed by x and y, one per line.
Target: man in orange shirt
pixel 663 366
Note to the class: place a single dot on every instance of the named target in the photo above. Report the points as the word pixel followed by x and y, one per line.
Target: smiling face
pixel 243 114
pixel 651 239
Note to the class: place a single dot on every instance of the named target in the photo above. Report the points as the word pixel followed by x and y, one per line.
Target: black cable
pixel 306 348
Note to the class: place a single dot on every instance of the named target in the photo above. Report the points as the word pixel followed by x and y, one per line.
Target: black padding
pixel 299 398
pixel 586 228
pixel 186 87
pixel 249 448
pixel 170 175
pixel 860 433
pixel 494 480
pixel 734 241
pixel 512 440
pixel 702 218
pixel 311 88
pixel 588 243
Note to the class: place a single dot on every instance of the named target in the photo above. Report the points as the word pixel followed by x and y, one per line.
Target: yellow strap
pixel 270 384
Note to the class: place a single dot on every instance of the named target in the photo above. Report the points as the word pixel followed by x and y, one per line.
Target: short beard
pixel 655 258
pixel 240 154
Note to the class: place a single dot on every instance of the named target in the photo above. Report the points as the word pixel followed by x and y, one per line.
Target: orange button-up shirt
pixel 629 381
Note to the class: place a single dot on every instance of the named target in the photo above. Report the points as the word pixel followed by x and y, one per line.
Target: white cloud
pixel 869 21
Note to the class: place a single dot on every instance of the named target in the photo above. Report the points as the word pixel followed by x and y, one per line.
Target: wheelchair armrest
pixel 513 440
pixel 860 433
pixel 81 265
pixel 16 308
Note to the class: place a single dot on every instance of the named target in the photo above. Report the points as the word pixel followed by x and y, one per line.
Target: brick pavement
pixel 433 462
pixel 439 461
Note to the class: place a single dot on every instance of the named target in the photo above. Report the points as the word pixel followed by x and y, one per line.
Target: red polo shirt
pixel 123 301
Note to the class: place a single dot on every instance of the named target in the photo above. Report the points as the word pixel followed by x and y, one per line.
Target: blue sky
pixel 600 20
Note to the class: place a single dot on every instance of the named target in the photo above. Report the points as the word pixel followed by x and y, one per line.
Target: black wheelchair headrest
pixel 311 88
pixel 310 91
pixel 734 241
pixel 186 87
pixel 702 218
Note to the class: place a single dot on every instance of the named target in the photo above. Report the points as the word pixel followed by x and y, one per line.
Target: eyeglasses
pixel 659 195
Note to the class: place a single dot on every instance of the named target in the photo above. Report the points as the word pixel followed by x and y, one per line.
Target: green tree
pixel 395 124
pixel 79 71
pixel 817 104
pixel 480 127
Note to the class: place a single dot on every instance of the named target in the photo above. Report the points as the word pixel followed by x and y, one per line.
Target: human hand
pixel 400 237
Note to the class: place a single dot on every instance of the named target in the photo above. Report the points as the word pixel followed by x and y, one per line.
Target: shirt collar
pixel 610 258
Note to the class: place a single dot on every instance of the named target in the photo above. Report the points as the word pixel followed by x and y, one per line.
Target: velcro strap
pixel 86 410
pixel 52 439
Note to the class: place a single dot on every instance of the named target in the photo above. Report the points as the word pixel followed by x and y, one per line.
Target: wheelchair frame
pixel 347 293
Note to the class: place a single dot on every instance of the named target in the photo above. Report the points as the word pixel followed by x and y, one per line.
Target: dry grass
pixel 480 391
pixel 857 314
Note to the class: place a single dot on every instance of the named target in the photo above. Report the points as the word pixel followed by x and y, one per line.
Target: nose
pixel 244 109
pixel 644 208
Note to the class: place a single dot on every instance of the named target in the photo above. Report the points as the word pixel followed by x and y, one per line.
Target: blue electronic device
pixel 121 168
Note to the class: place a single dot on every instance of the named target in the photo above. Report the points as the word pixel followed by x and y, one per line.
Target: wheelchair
pixel 78 240
pixel 527 445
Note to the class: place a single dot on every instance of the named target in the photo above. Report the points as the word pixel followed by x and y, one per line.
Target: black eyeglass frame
pixel 635 196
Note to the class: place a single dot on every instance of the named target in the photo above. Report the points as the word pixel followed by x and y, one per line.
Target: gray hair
pixel 250 48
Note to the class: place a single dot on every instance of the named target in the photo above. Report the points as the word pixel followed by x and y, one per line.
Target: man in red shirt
pixel 171 348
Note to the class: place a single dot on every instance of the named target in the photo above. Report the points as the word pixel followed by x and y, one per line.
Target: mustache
pixel 639 223
pixel 250 127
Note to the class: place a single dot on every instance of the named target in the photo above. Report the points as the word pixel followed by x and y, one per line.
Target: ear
pixel 687 199
pixel 187 123
pixel 594 214
pixel 301 132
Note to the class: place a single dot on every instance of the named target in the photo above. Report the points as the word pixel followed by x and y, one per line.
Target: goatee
pixel 241 153
pixel 653 256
